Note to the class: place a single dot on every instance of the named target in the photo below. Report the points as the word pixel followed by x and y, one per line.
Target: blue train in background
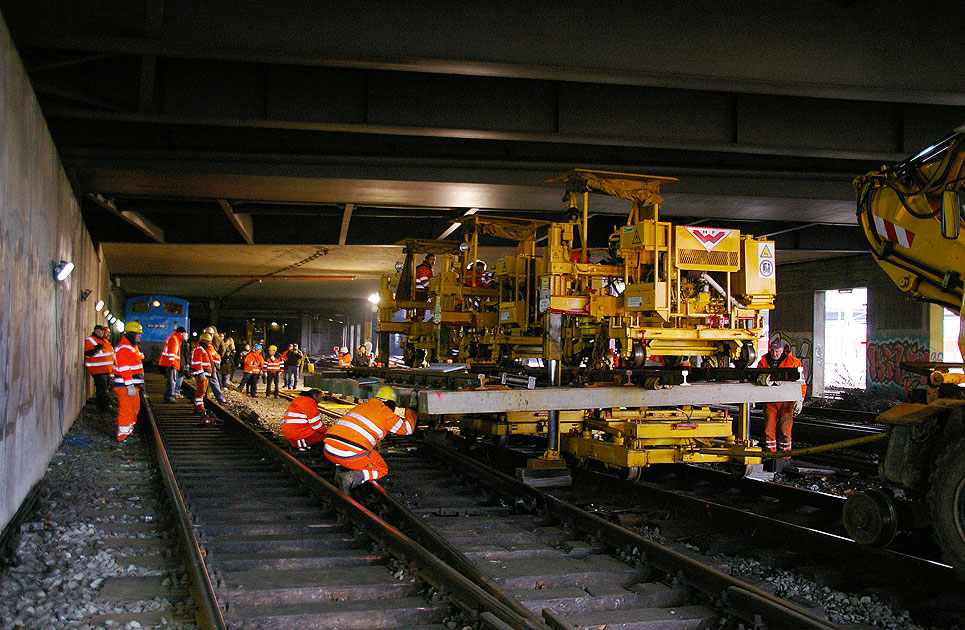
pixel 159 315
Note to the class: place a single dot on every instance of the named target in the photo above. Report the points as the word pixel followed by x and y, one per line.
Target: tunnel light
pixel 119 326
pixel 274 324
pixel 463 246
pixel 399 266
pixel 99 305
pixel 107 313
pixel 374 298
pixel 156 303
pixel 62 269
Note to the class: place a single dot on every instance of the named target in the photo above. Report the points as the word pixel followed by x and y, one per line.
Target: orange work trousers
pixel 369 462
pixel 302 435
pixel 127 409
pixel 779 418
pixel 200 388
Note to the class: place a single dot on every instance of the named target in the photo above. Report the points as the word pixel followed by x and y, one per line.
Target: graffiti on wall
pixel 801 346
pixel 885 356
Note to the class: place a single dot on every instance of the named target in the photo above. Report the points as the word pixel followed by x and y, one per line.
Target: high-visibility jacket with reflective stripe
pixel 423 273
pixel 253 362
pixel 200 361
pixel 303 410
pixel 171 353
pixel 786 360
pixel 273 363
pixel 128 369
pixel 101 361
pixel 215 356
pixel 345 360
pixel 363 427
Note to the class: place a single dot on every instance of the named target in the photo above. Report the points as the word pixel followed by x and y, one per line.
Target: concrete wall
pixel 899 327
pixel 42 322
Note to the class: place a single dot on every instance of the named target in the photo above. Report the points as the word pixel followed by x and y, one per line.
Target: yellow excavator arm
pixel 911 215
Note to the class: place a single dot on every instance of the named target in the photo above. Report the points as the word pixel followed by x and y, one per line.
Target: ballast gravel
pixel 62 555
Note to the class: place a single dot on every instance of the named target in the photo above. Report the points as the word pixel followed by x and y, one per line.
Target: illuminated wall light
pixel 99 305
pixel 119 326
pixel 374 298
pixel 62 269
pixel 155 304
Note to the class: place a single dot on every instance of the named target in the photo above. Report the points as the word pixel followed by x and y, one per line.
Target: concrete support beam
pixel 241 221
pixel 346 218
pixel 134 218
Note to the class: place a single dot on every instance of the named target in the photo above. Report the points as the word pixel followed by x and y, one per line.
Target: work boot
pixel 348 479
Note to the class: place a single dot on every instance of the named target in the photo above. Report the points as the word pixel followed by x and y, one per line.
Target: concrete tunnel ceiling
pixel 205 142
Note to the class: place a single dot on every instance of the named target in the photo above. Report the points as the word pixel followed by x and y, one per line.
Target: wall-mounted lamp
pixel 99 305
pixel 62 269
pixel 85 294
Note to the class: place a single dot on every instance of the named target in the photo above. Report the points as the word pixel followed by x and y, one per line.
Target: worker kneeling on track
pixel 351 442
pixel 302 423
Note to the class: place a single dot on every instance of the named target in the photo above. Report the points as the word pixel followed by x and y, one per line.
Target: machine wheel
pixel 638 354
pixel 747 355
pixel 506 356
pixel 869 517
pixel 946 501
pixel 633 473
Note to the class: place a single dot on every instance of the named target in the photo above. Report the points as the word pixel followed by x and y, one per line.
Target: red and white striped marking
pixel 894 233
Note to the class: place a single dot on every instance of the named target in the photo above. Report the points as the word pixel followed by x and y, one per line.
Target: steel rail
pixel 441 547
pixel 208 613
pixel 725 589
pixel 461 591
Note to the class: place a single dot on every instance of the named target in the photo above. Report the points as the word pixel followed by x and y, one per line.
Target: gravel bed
pixel 62 556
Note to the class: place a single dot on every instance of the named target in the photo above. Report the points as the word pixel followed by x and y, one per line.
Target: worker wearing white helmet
pixel 352 441
pixel 344 358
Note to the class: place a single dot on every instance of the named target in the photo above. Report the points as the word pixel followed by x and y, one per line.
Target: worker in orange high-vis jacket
pixel 779 416
pixel 352 441
pixel 99 362
pixel 344 358
pixel 214 382
pixel 302 423
pixel 170 360
pixel 274 364
pixel 202 370
pixel 128 379
pixel 252 364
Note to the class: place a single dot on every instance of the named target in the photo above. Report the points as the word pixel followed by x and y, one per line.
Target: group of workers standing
pixel 270 368
pixel 210 361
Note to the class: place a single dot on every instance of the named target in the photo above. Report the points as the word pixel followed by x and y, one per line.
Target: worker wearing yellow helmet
pixel 128 373
pixel 273 367
pixel 352 441
pixel 203 370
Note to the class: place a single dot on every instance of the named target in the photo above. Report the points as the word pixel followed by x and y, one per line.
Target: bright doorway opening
pixel 845 338
pixel 950 324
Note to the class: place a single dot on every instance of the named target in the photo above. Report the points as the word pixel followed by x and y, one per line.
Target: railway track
pixel 272 545
pixel 782 526
pixel 233 478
